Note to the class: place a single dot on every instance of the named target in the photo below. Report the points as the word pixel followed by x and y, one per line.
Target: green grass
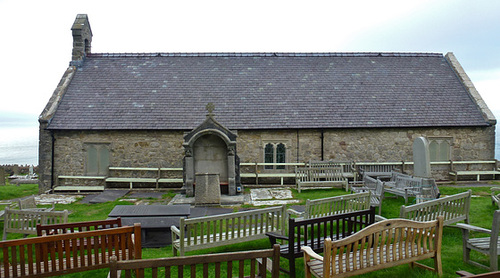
pixel 481 214
pixel 9 191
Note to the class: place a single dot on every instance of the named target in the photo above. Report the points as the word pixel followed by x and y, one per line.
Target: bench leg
pixel 291 266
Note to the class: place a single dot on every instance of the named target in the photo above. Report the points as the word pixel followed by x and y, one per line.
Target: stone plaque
pixel 421 158
pixel 207 189
pixel 2 176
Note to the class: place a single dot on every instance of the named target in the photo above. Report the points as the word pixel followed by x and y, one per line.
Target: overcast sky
pixel 36 41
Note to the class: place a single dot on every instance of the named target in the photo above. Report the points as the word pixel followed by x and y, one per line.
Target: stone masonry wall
pixel 164 148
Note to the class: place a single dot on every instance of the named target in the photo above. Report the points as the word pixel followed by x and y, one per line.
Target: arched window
pixel 275 152
pixel 269 155
pixel 280 155
pixel 439 148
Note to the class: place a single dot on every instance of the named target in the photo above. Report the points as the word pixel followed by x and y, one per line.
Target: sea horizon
pixel 19 143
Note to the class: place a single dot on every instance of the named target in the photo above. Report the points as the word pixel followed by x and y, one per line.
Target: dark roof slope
pixel 266 91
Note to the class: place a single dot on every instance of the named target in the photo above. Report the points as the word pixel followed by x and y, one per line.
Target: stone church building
pixel 150 110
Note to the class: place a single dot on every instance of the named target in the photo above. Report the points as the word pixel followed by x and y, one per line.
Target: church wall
pixel 164 148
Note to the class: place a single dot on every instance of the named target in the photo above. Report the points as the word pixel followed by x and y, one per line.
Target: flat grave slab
pixel 155 220
pixel 108 195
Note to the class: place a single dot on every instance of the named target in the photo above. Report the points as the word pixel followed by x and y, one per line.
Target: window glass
pixel 269 155
pixel 280 155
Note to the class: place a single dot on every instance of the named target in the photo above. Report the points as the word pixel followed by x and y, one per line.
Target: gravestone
pixel 207 189
pixel 421 158
pixel 31 171
pixel 15 169
pixel 2 176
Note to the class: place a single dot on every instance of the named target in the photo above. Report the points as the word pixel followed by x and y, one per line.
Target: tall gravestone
pixel 2 176
pixel 421 158
pixel 15 169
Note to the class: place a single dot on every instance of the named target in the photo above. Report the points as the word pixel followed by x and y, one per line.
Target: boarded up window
pixel 439 148
pixel 97 160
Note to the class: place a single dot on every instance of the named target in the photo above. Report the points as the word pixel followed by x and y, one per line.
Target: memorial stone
pixel 207 189
pixel 421 158
pixel 31 171
pixel 15 169
pixel 2 176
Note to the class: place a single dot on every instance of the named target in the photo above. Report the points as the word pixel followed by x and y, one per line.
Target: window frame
pixel 284 155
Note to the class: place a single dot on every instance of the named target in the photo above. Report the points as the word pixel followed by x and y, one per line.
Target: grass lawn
pixel 481 214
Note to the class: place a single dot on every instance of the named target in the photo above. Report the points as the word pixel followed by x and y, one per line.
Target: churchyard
pixel 481 213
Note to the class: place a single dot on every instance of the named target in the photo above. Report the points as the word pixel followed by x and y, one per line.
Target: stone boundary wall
pixel 164 148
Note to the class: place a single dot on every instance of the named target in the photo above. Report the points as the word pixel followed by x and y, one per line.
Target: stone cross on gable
pixel 210 108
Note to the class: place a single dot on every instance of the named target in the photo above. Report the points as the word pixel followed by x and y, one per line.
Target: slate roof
pixel 265 91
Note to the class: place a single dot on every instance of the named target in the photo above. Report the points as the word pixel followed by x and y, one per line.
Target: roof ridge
pixel 270 54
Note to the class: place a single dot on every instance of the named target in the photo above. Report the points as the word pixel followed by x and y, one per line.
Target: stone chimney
pixel 82 37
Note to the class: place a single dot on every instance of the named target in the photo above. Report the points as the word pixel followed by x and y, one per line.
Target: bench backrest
pixel 232 227
pixel 376 168
pixel 244 264
pixel 54 229
pixel 347 166
pixel 25 221
pixel 68 253
pixel 310 174
pixel 337 204
pixel 313 231
pixel 453 208
pixel 411 239
pixel 27 203
pixel 402 180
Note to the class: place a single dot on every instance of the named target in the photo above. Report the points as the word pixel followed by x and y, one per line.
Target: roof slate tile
pixel 264 91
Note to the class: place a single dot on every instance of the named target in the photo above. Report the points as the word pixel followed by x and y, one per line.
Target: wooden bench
pixel 313 231
pixel 333 205
pixel 381 245
pixel 244 263
pixel 495 196
pixel 224 229
pixel 25 221
pixel 474 168
pixel 307 177
pixel 488 245
pixel 408 186
pixel 376 189
pixel 29 203
pixel 74 227
pixel 453 208
pixel 378 169
pixel 463 273
pixel 66 253
pixel 269 173
pixel 78 188
pixel 155 177
pixel 348 169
